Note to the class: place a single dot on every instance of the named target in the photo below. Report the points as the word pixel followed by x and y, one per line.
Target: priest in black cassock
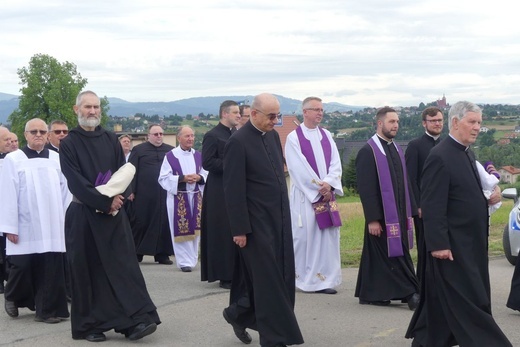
pixel 416 153
pixel 150 225
pixel 386 271
pixel 217 251
pixel 455 306
pixel 263 287
pixel 109 291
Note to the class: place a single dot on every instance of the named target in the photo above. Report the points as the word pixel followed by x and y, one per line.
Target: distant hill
pixel 193 106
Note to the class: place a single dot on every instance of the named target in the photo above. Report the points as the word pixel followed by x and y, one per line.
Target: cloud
pixel 372 52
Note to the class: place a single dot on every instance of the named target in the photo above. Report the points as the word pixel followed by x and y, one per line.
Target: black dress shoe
pixel 240 332
pixel 375 303
pixel 141 330
pixel 225 284
pixel 413 301
pixel 327 291
pixel 186 269
pixel 10 308
pixel 139 258
pixel 48 320
pixel 93 337
pixel 164 261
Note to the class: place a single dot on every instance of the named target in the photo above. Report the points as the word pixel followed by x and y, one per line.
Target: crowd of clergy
pixel 230 205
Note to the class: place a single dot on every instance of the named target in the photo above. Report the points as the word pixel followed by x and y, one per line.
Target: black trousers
pixel 37 281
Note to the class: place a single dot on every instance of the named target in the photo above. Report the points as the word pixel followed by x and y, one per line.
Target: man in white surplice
pixel 316 251
pixel 34 227
pixel 183 177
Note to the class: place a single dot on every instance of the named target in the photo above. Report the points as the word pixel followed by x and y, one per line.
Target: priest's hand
pixel 12 237
pixel 192 178
pixel 240 240
pixel 131 197
pixel 325 188
pixel 117 202
pixel 443 254
pixel 374 228
pixel 495 196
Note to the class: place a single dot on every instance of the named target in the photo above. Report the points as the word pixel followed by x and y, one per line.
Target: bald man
pixel 261 229
pixel 35 255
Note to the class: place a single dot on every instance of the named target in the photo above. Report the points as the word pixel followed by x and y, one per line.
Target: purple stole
pixel 186 222
pixel 393 228
pixel 327 213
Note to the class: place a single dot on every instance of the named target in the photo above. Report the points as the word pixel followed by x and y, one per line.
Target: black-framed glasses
pixel 37 132
pixel 271 116
pixel 438 121
pixel 315 109
pixel 57 132
pixel 157 134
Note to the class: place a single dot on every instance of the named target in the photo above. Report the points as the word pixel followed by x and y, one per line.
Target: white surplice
pixel 35 197
pixel 316 252
pixel 186 253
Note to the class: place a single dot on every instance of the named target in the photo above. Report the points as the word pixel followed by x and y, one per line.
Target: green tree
pixel 349 178
pixel 49 90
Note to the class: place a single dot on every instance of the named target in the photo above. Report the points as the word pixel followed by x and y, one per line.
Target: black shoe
pixel 164 261
pixel 413 301
pixel 141 330
pixel 2 288
pixel 139 258
pixel 327 291
pixel 94 337
pixel 375 303
pixel 186 269
pixel 225 284
pixel 240 332
pixel 10 308
pixel 48 320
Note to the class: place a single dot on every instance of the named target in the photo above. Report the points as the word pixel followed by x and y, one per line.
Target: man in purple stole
pixel 183 177
pixel 314 166
pixel 386 271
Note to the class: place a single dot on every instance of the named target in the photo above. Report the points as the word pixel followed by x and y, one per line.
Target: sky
pixel 356 52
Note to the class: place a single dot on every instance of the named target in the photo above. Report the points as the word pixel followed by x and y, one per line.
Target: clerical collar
pixel 185 150
pixel 385 140
pixel 35 149
pixel 253 124
pixel 2 155
pixel 432 136
pixel 466 147
pixel 31 153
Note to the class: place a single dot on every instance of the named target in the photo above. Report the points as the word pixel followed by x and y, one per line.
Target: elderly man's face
pixel 155 136
pixel 126 144
pixel 89 112
pixel 58 132
pixel 266 118
pixel 14 142
pixel 186 138
pixel 36 134
pixel 5 141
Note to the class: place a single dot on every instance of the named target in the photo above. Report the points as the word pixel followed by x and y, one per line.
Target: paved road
pixel 191 312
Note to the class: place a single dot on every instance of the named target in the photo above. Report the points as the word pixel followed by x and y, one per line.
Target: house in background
pixel 509 174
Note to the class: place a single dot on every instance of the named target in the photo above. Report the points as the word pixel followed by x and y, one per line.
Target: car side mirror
pixel 510 193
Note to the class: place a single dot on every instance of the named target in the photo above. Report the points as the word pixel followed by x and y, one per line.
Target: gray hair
pixel 80 96
pixel 460 109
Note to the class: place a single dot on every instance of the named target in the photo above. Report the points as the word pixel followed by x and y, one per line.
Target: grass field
pixel 354 223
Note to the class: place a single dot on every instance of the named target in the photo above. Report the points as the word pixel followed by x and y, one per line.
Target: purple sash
pixel 186 221
pixel 393 228
pixel 327 214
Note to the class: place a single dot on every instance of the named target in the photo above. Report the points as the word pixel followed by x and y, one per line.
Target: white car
pixel 511 236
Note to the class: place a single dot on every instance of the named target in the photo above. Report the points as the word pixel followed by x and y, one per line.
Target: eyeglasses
pixel 57 132
pixel 435 121
pixel 271 116
pixel 314 109
pixel 157 134
pixel 37 132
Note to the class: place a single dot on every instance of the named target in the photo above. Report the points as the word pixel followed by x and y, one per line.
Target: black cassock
pixel 217 250
pixel 263 287
pixel 455 305
pixel 108 288
pixel 416 153
pixel 380 277
pixel 150 225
